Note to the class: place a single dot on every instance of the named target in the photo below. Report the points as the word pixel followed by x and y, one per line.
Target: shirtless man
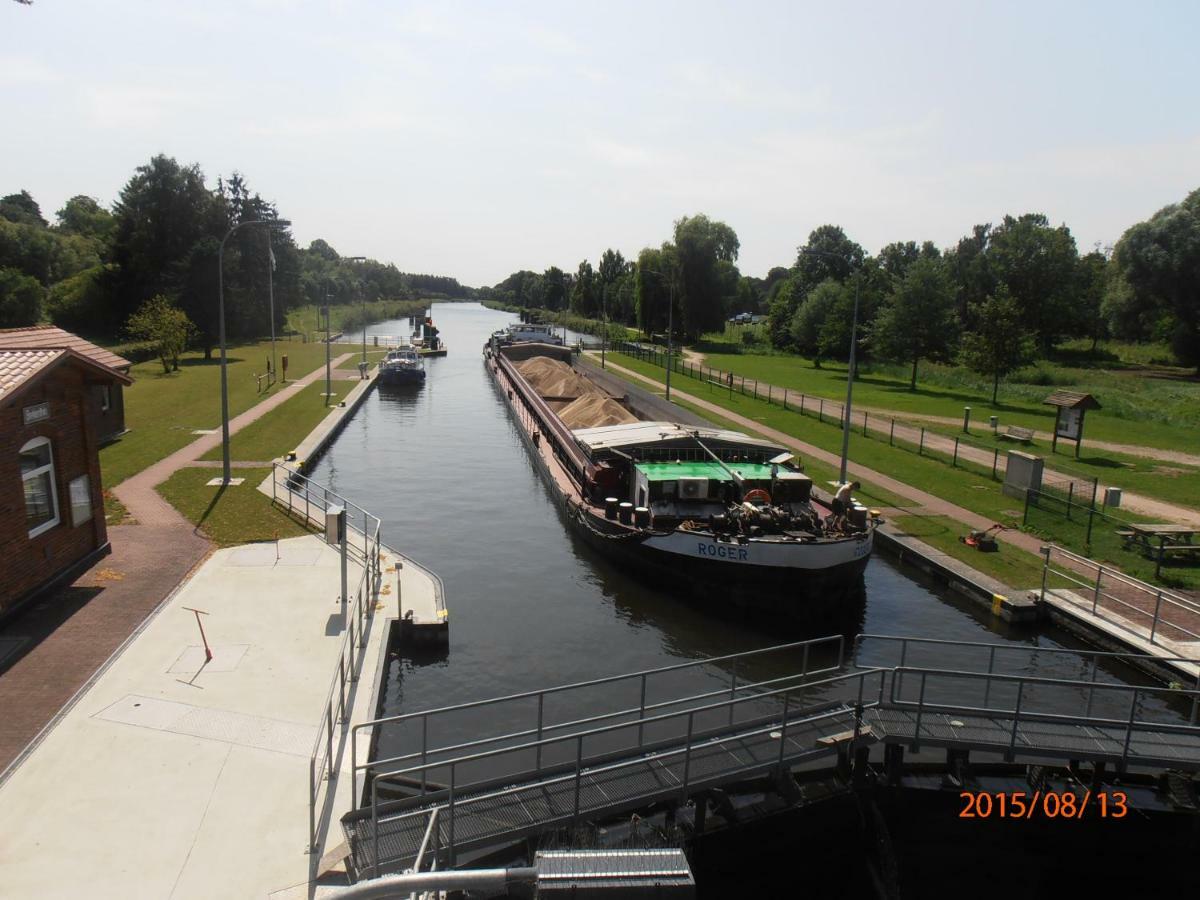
pixel 843 499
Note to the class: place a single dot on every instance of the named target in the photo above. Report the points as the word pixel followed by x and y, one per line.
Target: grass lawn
pixel 306 320
pixel 234 515
pixel 820 472
pixel 1170 481
pixel 281 429
pixel 1009 565
pixel 162 410
pixel 1164 405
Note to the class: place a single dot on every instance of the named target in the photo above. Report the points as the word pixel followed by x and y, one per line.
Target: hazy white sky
pixel 476 139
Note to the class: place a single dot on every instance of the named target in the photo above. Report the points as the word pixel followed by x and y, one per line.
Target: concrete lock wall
pixel 1023 473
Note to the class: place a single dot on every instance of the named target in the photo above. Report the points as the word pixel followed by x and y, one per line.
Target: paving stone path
pixel 67 636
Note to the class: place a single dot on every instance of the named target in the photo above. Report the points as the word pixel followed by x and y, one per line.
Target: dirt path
pixel 71 633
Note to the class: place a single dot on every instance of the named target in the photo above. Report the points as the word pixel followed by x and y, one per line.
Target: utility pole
pixel 328 371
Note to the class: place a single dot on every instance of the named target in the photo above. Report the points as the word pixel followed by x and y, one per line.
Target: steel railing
pixel 534 702
pixel 785 716
pixel 1164 609
pixel 1020 710
pixel 301 495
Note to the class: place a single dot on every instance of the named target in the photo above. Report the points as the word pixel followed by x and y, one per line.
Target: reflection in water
pixel 532 606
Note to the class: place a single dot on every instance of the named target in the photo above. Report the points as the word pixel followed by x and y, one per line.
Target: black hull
pixel 796 595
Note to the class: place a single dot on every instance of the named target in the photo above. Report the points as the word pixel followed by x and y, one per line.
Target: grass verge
pixel 163 410
pixel 280 430
pixel 1010 566
pixel 233 515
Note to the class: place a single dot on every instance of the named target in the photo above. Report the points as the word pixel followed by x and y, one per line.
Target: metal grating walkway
pixel 495 815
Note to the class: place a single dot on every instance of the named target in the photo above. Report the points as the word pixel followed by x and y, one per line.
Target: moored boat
pixel 712 510
pixel 402 366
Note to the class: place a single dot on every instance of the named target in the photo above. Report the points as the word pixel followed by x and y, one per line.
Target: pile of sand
pixel 551 378
pixel 594 411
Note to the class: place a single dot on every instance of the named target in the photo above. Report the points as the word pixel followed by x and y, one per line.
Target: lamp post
pixel 328 373
pixel 850 370
pixel 364 308
pixel 269 223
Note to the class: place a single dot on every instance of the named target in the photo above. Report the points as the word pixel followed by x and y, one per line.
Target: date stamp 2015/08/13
pixel 1048 804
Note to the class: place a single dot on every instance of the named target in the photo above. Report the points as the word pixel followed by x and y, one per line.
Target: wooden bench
pixel 1016 433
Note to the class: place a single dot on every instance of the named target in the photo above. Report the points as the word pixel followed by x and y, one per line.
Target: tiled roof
pixel 49 337
pixel 17 366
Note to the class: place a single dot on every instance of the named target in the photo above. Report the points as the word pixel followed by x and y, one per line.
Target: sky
pixel 476 139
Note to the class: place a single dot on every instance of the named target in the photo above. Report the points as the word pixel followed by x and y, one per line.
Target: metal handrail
pixel 860 675
pixel 993 646
pixel 540 695
pixel 296 485
pixel 1159 595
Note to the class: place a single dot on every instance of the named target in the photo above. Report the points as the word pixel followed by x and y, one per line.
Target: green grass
pixel 1164 404
pixel 233 515
pixel 162 410
pixel 282 429
pixel 307 321
pixel 115 512
pixel 820 472
pixel 1167 480
pixel 1009 565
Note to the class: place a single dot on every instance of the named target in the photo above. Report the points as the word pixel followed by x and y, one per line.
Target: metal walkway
pixel 499 788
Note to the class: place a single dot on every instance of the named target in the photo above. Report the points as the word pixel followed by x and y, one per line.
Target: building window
pixel 105 397
pixel 80 492
pixel 37 475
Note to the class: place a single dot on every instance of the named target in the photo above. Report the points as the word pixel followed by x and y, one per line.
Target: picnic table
pixel 1160 540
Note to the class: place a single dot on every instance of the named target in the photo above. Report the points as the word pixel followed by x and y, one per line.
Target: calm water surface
pixel 530 605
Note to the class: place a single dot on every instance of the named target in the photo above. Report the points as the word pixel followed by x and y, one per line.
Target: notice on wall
pixel 1069 421
pixel 81 500
pixel 35 413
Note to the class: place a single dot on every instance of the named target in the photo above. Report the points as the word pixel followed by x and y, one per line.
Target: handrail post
pixel 642 710
pixel 329 740
pixel 687 758
pixel 732 690
pixel 578 775
pixel 1016 718
pixel 898 681
pixel 1091 691
pixel 787 696
pixel 1096 590
pixel 804 662
pixel 987 682
pixel 1154 621
pixel 916 745
pixel 1045 566
pixel 375 825
pixel 424 751
pixel 541 707
pixel 312 805
pixel 858 711
pixel 453 855
pixel 1129 727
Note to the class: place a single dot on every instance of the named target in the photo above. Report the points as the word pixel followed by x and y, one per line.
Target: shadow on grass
pixel 212 504
pixel 1102 462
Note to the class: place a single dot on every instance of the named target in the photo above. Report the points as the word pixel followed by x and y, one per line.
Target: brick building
pixel 106 402
pixel 51 506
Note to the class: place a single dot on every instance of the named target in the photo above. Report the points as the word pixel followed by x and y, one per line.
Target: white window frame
pixel 47 469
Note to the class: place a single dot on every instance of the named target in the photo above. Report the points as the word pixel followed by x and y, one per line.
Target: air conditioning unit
pixel 693 488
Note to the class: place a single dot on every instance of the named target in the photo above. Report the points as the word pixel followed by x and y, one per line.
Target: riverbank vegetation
pixel 96 266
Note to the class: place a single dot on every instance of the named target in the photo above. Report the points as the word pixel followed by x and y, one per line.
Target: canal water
pixel 532 606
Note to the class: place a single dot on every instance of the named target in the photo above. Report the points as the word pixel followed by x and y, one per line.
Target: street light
pixel 364 300
pixel 269 223
pixel 670 325
pixel 850 370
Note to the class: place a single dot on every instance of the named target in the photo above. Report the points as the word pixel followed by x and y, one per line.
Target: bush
pixel 20 299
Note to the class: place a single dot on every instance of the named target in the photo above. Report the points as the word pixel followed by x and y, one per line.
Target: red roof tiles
pixel 50 337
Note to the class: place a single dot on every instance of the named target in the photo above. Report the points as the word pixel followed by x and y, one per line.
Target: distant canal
pixel 530 605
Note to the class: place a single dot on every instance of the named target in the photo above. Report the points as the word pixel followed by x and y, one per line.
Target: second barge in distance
pixel 717 512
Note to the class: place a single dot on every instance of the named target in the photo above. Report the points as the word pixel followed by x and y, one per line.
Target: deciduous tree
pixel 918 320
pixel 164 325
pixel 1000 343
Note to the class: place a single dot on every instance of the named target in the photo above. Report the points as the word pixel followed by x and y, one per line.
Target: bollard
pixel 966 420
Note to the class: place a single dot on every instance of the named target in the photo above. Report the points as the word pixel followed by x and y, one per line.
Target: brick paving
pixel 70 634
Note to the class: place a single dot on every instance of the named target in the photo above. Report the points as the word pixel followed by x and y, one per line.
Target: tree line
pixel 95 268
pixel 1004 295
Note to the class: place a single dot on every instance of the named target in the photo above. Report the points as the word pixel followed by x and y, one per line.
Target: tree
pixel 834 257
pixel 83 216
pixel 553 293
pixel 1160 261
pixel 1092 276
pixel 655 285
pixel 1037 264
pixel 165 326
pixel 22 209
pixel 918 320
pixel 584 291
pixel 896 257
pixel 1000 343
pixel 701 244
pixel 20 299
pixel 969 269
pixel 808 324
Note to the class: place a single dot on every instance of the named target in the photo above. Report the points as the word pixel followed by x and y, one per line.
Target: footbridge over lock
pixel 531 764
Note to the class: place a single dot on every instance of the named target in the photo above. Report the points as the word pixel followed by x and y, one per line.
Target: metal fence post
pixel 541 705
pixel 892 433
pixel 450 836
pixel 1129 727
pixel 1046 550
pixel 1025 515
pixel 578 775
pixel 642 710
pixel 1070 496
pixel 864 423
pixel 785 398
pixel 921 446
pixel 821 411
pixel 995 459
pixel 987 684
pixel 783 726
pixel 1154 621
pixel 732 691
pixel 1016 718
pixel 687 757
pixel 954 461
